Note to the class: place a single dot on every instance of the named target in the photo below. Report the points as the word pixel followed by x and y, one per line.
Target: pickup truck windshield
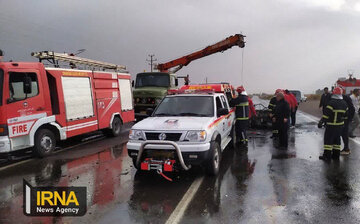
pixel 1 85
pixel 193 106
pixel 153 79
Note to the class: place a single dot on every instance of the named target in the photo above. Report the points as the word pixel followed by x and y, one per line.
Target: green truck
pixel 150 88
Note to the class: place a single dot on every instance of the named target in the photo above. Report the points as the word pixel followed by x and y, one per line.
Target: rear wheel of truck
pixel 213 163
pixel 45 143
pixel 115 128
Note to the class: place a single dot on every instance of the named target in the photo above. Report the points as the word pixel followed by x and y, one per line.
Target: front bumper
pixel 192 153
pixel 5 145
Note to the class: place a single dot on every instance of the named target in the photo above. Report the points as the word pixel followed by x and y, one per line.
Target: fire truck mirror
pixel 27 85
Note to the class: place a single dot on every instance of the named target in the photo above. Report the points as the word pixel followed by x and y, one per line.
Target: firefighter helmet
pixel 240 89
pixel 337 91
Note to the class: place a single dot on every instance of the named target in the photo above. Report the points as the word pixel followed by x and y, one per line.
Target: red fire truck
pixel 348 84
pixel 41 105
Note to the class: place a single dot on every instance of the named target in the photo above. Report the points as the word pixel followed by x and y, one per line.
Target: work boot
pixel 336 154
pixel 326 156
pixel 345 152
pixel 352 136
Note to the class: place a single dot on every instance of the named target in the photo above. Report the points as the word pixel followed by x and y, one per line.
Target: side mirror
pixel 176 82
pixel 27 85
pixel 149 111
pixel 222 111
pixel 132 83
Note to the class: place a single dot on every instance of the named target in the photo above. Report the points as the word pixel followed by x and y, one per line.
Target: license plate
pixel 143 112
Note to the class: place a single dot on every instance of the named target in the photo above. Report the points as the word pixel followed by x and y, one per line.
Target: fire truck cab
pixel 39 106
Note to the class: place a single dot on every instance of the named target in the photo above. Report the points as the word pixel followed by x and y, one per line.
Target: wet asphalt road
pixel 262 185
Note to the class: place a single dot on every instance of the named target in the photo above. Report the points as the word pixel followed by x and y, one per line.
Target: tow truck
pixel 188 128
pixel 151 87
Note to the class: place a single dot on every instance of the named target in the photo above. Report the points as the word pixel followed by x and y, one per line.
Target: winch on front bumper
pixel 167 155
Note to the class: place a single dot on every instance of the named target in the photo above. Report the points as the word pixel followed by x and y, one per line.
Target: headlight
pixel 136 135
pixel 195 136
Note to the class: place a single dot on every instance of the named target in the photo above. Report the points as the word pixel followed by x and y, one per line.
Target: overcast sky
pixel 295 44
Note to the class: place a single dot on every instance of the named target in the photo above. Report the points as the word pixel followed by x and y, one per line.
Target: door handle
pixel 39 109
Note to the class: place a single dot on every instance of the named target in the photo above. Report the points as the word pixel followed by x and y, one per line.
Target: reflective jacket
pixel 272 104
pixel 241 104
pixel 335 112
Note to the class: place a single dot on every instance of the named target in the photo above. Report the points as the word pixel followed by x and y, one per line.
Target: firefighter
pixel 294 108
pixel 252 111
pixel 348 119
pixel 241 103
pixel 1 55
pixel 334 115
pixel 281 118
pixel 271 108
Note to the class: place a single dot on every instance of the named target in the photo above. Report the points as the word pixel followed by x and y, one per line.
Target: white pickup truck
pixel 183 131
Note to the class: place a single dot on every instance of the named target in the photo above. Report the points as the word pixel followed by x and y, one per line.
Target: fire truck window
pixel 16 86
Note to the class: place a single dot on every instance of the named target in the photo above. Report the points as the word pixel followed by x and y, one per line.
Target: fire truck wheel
pixel 115 128
pixel 213 163
pixel 45 143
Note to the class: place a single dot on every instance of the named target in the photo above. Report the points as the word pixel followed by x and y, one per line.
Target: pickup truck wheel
pixel 213 164
pixel 115 128
pixel 45 143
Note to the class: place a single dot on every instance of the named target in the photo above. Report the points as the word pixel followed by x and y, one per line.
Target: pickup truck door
pixel 229 119
pixel 222 124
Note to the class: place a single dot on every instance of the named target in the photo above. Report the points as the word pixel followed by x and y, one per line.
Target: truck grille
pixel 169 136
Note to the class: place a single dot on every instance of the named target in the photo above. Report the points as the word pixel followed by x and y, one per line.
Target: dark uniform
pixel 282 111
pixel 325 98
pixel 334 116
pixel 271 108
pixel 348 119
pixel 241 103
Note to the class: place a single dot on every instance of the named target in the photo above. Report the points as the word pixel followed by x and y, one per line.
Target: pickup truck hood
pixel 174 123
